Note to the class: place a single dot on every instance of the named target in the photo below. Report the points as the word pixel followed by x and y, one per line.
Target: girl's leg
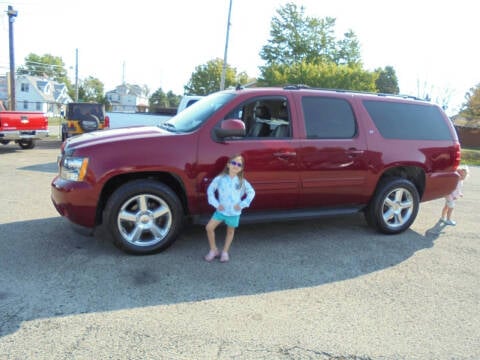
pixel 210 228
pixel 228 238
pixel 449 213
pixel 444 211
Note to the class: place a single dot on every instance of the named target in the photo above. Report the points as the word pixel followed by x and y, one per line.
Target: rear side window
pixel 408 121
pixel 328 118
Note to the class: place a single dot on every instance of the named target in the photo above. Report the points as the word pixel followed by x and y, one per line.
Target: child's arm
pixel 212 199
pixel 250 195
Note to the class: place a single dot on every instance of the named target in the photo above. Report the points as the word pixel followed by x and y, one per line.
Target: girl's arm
pixel 250 195
pixel 212 199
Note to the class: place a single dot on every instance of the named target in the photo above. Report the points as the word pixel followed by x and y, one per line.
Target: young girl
pixel 231 187
pixel 450 199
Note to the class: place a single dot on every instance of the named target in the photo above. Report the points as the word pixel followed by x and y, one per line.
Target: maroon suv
pixel 308 153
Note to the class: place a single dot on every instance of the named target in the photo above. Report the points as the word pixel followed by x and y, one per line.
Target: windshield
pixel 194 116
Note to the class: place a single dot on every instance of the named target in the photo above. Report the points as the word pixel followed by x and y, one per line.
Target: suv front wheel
pixel 394 207
pixel 144 216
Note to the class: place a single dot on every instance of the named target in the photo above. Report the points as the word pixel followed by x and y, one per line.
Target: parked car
pixel 84 117
pixel 309 153
pixel 22 127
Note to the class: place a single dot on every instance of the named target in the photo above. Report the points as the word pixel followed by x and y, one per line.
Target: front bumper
pixel 74 200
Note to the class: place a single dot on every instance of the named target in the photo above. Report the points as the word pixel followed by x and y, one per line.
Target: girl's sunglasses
pixel 234 163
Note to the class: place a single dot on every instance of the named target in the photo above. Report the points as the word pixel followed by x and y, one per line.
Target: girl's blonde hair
pixel 240 173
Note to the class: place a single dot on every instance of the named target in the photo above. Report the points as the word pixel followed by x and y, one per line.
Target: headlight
pixel 73 168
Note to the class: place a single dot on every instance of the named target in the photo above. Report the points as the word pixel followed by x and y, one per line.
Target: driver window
pixel 265 118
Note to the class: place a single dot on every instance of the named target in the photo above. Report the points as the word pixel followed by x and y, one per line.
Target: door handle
pixel 284 154
pixel 353 152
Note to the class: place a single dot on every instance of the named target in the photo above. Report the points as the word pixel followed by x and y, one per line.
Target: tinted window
pixel 82 111
pixel 328 118
pixel 408 121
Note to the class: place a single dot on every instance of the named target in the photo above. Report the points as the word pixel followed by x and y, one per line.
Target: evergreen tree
pixel 387 81
pixel 295 37
pixel 304 50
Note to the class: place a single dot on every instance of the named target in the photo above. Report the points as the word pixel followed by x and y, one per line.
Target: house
pixel 37 94
pixel 127 98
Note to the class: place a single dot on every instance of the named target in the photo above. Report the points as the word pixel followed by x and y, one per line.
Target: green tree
pixel 304 50
pixel 387 81
pixel 348 50
pixel 471 107
pixel 91 90
pixel 173 100
pixel 161 100
pixel 325 75
pixel 206 78
pixel 295 37
pixel 46 65
pixel 158 99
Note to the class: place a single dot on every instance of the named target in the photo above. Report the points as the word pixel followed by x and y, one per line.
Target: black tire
pixel 26 144
pixel 144 217
pixel 394 206
pixel 64 133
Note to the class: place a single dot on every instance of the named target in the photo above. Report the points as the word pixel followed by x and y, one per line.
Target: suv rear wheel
pixel 394 207
pixel 144 216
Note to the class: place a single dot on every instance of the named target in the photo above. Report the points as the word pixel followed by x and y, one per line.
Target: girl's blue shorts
pixel 231 221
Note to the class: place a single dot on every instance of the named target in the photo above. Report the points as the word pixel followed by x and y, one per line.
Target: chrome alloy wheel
pixel 144 220
pixel 397 207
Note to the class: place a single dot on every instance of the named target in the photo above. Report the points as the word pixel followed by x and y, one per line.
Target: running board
pixel 248 217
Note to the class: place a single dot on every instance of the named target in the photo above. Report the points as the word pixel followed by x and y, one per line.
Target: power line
pixel 43 64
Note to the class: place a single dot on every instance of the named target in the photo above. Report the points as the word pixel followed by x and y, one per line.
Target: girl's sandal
pixel 224 257
pixel 212 254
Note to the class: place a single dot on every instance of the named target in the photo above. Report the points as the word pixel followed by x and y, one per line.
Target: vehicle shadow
pixel 11 147
pixel 49 270
pixel 50 167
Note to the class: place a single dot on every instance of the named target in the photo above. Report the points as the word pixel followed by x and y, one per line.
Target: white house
pixel 38 94
pixel 127 98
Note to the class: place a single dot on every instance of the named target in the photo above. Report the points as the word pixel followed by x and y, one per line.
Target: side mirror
pixel 231 127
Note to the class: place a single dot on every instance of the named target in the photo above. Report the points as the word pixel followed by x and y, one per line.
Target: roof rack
pixel 302 86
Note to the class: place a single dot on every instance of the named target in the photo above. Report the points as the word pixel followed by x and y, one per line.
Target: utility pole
pixel 12 14
pixel 76 75
pixel 224 69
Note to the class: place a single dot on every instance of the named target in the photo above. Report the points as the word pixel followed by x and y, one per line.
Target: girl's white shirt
pixel 230 193
pixel 457 193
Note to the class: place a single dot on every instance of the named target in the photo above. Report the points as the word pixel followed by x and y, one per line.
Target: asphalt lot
pixel 324 289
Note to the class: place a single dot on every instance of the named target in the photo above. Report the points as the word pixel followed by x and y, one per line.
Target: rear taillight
pixel 106 124
pixel 457 155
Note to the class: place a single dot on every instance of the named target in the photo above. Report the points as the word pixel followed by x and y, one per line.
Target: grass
pixel 52 121
pixel 471 156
